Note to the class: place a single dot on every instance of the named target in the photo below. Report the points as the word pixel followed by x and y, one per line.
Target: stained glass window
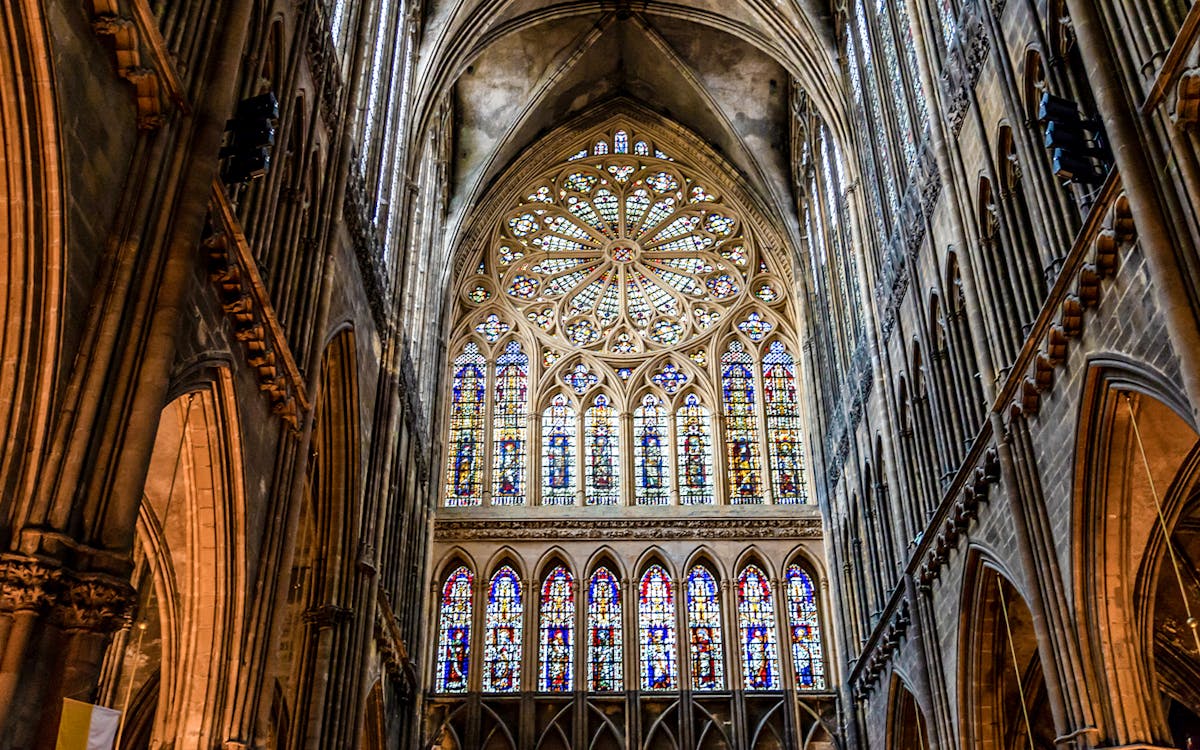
pixel 465 446
pixel 454 633
pixel 656 631
pixel 556 652
pixel 756 625
pixel 741 425
pixel 641 260
pixel 783 425
pixel 502 631
pixel 604 633
pixel 509 426
pixel 558 452
pixel 602 470
pixel 704 630
pixel 693 430
pixel 806 630
pixel 651 453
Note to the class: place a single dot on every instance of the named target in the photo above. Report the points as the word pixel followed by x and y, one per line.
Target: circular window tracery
pixel 643 311
pixel 622 254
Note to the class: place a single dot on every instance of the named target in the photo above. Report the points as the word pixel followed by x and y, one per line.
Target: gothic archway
pixel 32 244
pixel 1137 455
pixel 177 666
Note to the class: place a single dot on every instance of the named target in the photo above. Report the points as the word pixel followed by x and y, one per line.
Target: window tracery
pixel 656 650
pixel 647 294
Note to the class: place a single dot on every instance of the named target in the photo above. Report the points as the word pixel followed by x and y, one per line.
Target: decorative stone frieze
pixel 447 530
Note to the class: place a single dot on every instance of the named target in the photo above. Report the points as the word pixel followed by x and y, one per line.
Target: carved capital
pixel 27 584
pixel 95 603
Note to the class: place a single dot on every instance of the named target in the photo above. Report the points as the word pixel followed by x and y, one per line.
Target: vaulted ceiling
pixel 723 69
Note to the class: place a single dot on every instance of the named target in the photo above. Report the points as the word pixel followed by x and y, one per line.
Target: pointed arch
pixel 705 641
pixel 758 637
pixel 604 623
pixel 556 631
pixel 656 630
pixel 503 631
pixel 1124 573
pixel 191 543
pixel 33 245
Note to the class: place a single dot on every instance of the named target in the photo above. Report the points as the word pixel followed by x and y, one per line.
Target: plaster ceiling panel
pixel 523 85
pixel 749 89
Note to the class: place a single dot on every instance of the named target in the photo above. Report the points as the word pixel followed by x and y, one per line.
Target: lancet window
pixel 611 340
pixel 704 630
pixel 667 654
pixel 502 650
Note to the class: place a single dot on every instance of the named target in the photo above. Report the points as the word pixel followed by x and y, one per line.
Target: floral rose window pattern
pixel 623 334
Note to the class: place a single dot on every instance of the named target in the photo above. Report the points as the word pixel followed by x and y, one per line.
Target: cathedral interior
pixel 600 374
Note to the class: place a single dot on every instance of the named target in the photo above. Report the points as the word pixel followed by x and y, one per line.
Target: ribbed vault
pixel 514 71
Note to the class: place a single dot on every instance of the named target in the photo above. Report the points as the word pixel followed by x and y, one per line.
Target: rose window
pixel 622 253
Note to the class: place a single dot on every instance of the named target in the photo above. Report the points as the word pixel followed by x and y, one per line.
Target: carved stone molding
pixel 27 584
pixel 245 300
pixel 141 57
pixel 95 603
pixel 327 615
pixel 74 601
pixel 634 529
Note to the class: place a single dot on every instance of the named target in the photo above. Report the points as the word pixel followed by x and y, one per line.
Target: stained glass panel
pixel 656 631
pixel 783 425
pixel 454 633
pixel 558 452
pixel 704 630
pixel 502 631
pixel 601 435
pixel 756 624
pixel 557 652
pixel 806 630
pixel 651 453
pixel 510 418
pixel 604 633
pixel 741 425
pixel 464 445
pixel 693 430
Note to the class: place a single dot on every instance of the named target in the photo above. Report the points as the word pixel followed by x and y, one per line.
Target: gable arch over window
pixel 616 269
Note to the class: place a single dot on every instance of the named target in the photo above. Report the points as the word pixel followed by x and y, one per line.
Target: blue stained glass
pixel 651 452
pixel 604 633
pixel 454 633
pixel 783 425
pixel 557 652
pixel 558 452
pixel 602 438
pixel 704 630
pixel 806 630
pixel 502 646
pixel 741 425
pixel 756 623
pixel 693 430
pixel 656 630
pixel 464 464
pixel 510 417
